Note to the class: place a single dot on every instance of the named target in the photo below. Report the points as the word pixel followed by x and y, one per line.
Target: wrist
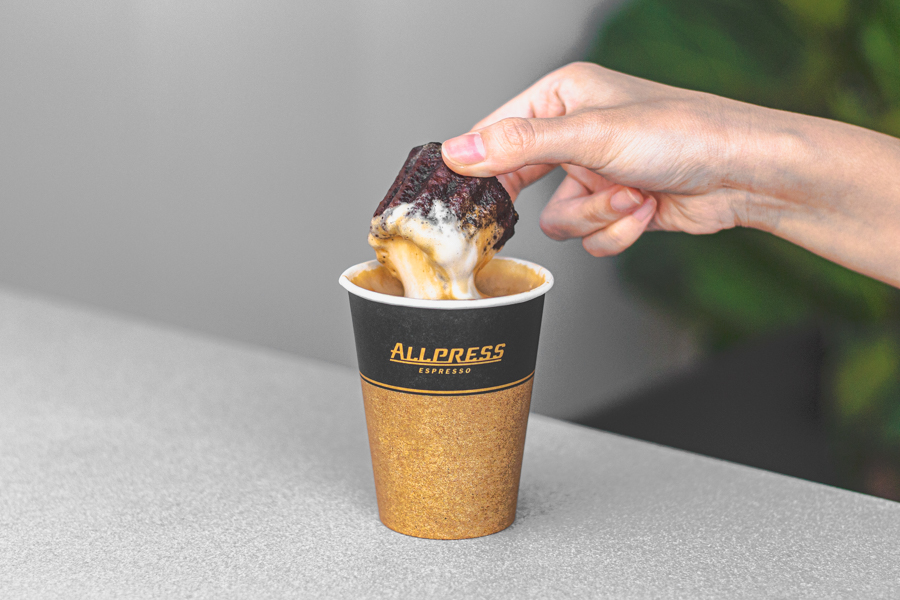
pixel 770 162
pixel 827 186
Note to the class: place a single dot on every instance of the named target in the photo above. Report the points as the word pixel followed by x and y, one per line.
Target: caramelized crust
pixel 479 202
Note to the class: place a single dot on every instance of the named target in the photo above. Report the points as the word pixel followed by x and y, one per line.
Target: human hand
pixel 637 154
pixel 640 155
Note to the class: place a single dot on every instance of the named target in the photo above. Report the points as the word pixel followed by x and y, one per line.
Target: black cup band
pixel 446 352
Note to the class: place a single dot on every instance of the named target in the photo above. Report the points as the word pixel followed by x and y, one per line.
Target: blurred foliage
pixel 838 59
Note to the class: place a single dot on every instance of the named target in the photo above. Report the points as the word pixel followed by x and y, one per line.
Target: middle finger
pixel 575 212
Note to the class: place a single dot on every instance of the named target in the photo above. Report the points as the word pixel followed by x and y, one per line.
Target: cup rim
pixel 345 281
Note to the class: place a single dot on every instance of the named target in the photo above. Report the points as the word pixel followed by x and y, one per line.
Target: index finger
pixel 542 99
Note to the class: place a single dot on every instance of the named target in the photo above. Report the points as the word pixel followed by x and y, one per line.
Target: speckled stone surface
pixel 138 461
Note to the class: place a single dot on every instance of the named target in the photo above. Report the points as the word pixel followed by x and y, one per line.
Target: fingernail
pixel 644 212
pixel 625 199
pixel 466 149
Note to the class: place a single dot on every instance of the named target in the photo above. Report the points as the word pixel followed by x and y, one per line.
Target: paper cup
pixel 447 389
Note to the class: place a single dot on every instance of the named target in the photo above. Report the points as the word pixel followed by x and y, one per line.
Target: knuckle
pixel 516 134
pixel 596 212
pixel 578 78
pixel 594 249
pixel 580 68
pixel 618 240
pixel 607 242
pixel 551 229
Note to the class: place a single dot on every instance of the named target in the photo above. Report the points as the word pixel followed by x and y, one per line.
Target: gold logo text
pixel 475 355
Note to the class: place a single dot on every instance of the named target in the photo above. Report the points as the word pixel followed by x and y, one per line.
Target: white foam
pixel 435 256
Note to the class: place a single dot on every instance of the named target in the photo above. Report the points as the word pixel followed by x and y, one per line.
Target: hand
pixel 638 155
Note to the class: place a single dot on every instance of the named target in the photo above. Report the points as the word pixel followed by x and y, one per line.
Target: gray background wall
pixel 214 164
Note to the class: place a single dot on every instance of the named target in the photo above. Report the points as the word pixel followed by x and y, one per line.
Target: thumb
pixel 510 144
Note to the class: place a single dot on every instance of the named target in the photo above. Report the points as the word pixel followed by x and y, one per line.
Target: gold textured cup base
pixel 447 467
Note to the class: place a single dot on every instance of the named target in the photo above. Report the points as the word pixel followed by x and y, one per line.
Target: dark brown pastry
pixel 476 201
pixel 435 230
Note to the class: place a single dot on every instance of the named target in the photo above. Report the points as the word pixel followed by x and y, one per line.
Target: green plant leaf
pixel 828 14
pixel 846 105
pixel 890 122
pixel 739 289
pixel 883 57
pixel 830 288
pixel 868 370
pixel 890 428
pixel 705 45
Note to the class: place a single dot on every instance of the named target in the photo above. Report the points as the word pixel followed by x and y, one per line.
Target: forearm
pixel 830 187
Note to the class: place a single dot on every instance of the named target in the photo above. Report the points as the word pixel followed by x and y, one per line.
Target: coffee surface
pixel 499 277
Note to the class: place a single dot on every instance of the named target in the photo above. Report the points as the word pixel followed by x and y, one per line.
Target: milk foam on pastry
pixel 435 256
pixel 436 229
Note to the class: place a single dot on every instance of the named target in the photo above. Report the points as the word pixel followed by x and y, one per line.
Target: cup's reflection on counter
pixel 447 389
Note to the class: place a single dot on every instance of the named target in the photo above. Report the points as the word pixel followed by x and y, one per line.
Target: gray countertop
pixel 139 461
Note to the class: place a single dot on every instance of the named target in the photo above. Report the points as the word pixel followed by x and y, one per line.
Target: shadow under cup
pixel 447 389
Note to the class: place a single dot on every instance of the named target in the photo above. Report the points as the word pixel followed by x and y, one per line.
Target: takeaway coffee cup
pixel 447 387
